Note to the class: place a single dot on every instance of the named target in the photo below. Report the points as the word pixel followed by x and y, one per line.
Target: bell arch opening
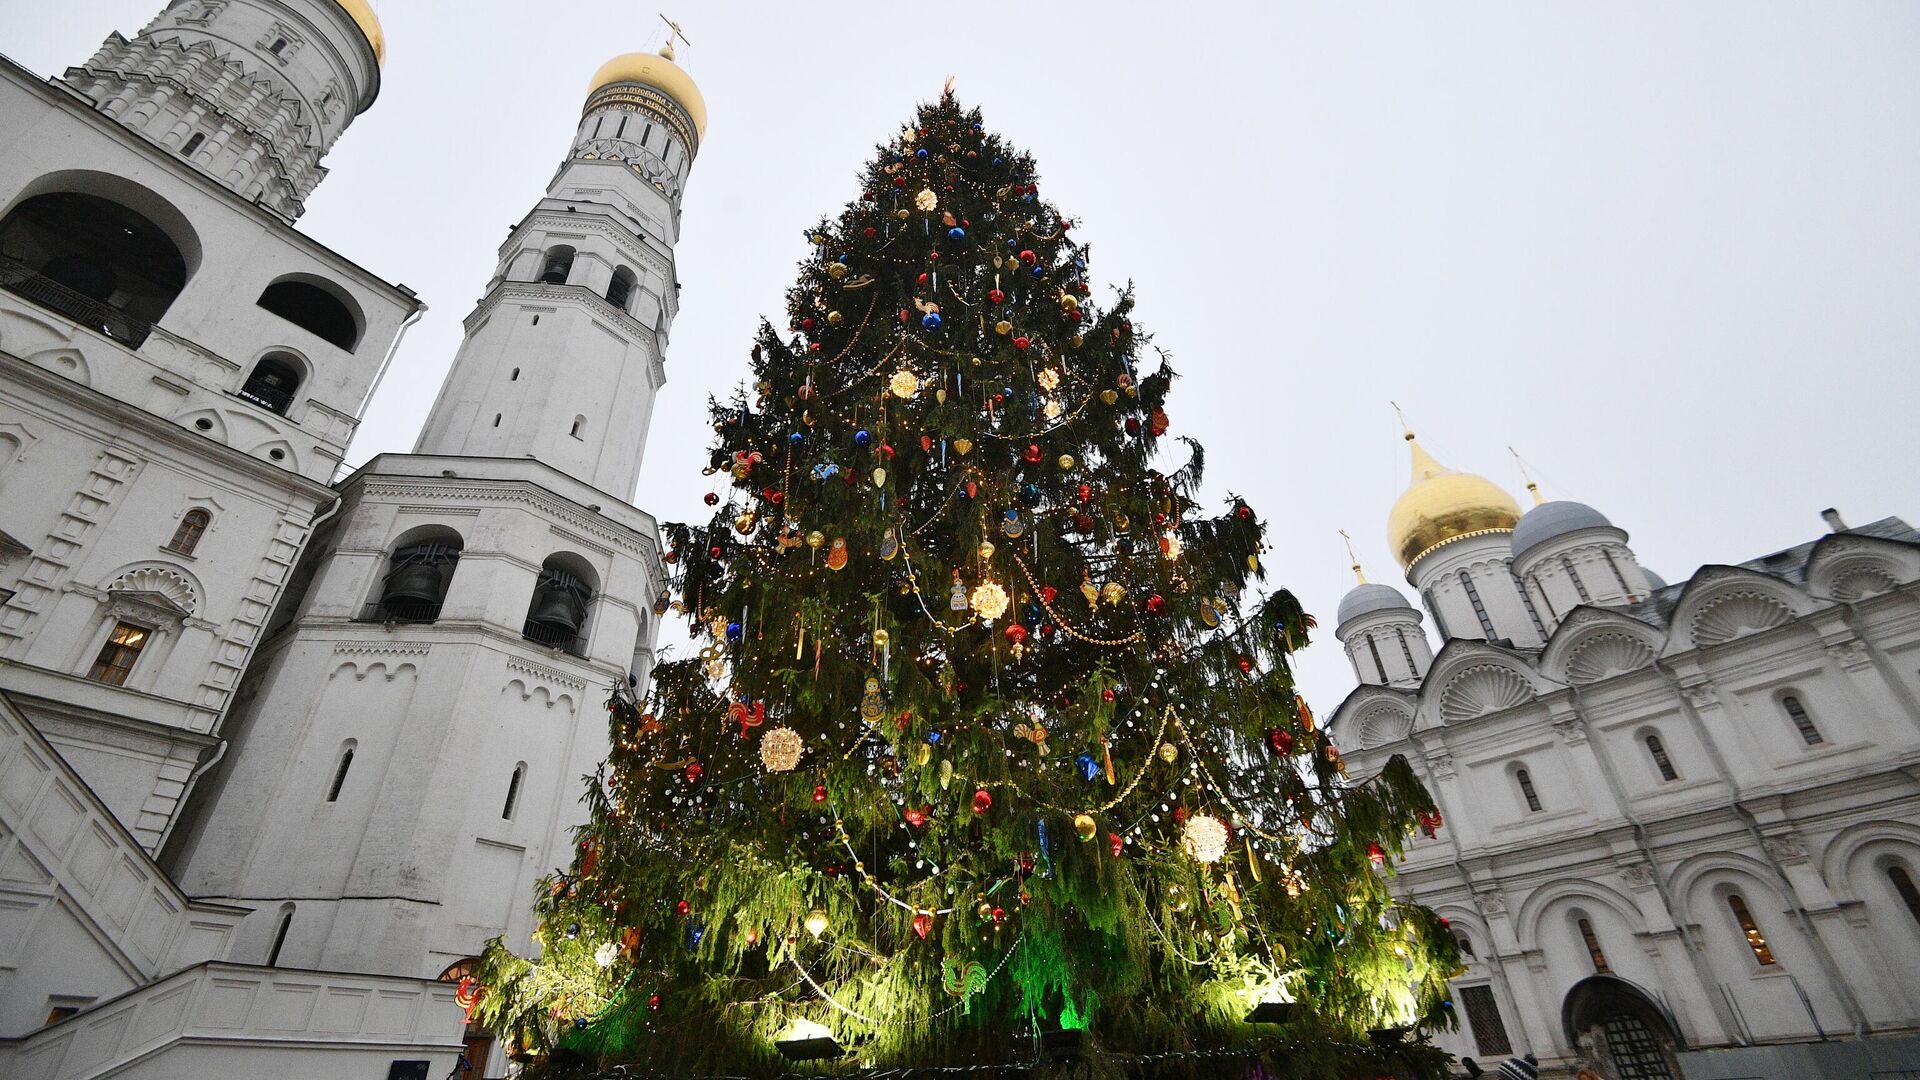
pixel 1620 1028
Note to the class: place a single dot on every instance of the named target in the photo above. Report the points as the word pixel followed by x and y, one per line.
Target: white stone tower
pixel 563 358
pixel 252 92
pixel 1381 632
pixel 1567 554
pixel 1452 532
pixel 409 748
pixel 180 373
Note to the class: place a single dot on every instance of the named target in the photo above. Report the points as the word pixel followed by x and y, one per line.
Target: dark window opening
pixel 186 536
pixel 579 422
pixel 557 613
pixel 1483 1016
pixel 315 310
pixel 92 260
pixel 1378 664
pixel 621 131
pixel 61 1012
pixel 1479 609
pixel 513 792
pixel 272 385
pixel 1527 599
pixel 1525 780
pixel 192 144
pixel 515 377
pixel 280 936
pixel 620 288
pixel 1756 941
pixel 1903 884
pixel 496 419
pixel 1594 952
pixel 1802 723
pixel 558 265
pixel 1578 585
pixel 416 583
pixel 1618 576
pixel 279 46
pixel 116 657
pixel 1660 759
pixel 340 774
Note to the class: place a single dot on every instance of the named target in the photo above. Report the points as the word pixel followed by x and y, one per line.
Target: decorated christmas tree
pixel 990 754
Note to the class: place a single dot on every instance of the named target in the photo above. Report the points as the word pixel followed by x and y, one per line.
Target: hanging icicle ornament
pixel 989 601
pixel 780 749
pixel 1204 837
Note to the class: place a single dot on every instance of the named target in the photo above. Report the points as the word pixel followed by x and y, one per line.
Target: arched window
pixel 186 536
pixel 340 770
pixel 1479 609
pixel 274 382
pixel 496 419
pixel 579 426
pixel 557 266
pixel 418 575
pixel 1660 759
pixel 1750 930
pixel 1466 945
pixel 315 308
pixel 117 655
pixel 515 377
pixel 1592 942
pixel 513 791
pixel 557 613
pixel 279 46
pixel 1525 780
pixel 192 144
pixel 93 260
pixel 1802 723
pixel 280 934
pixel 620 288
pixel 1903 884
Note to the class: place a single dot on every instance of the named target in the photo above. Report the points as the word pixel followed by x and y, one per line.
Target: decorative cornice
pixel 546 674
pixel 469 489
pixel 385 648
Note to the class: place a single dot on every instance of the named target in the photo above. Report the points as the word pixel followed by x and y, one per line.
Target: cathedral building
pixel 1680 823
pixel 281 749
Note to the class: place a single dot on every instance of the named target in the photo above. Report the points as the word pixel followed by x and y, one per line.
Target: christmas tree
pixel 984 758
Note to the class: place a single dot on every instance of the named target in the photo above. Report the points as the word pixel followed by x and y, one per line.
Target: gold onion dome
pixel 658 71
pixel 361 12
pixel 1441 505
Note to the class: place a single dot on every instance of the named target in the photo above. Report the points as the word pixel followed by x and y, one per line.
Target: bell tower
pixel 564 355
pixel 408 748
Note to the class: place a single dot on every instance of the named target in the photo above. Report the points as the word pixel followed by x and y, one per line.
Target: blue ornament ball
pixel 956 233
pixel 1039 271
pixel 933 737
pixel 861 437
pixel 920 153
pixel 1030 494
pixel 1033 614
pixel 735 632
pixel 580 1022
pixel 999 161
pixel 931 320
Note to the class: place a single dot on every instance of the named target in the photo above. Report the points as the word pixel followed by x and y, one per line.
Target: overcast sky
pixel 1668 251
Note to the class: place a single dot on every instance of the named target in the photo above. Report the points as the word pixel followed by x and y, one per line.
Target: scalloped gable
pixel 1849 566
pixel 1723 603
pixel 1593 643
pixel 1360 703
pixel 1472 678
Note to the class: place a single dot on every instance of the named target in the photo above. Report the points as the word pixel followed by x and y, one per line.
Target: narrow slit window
pixel 496 419
pixel 513 792
pixel 1750 930
pixel 280 935
pixel 193 144
pixel 117 655
pixel 579 424
pixel 1802 723
pixel 1594 952
pixel 1903 884
pixel 340 773
pixel 1378 664
pixel 621 131
pixel 1479 609
pixel 515 377
pixel 646 135
pixel 1525 780
pixel 1578 585
pixel 279 46
pixel 1660 759
pixel 186 536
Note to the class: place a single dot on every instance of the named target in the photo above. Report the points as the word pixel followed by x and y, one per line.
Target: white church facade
pixel 281 748
pixel 1680 824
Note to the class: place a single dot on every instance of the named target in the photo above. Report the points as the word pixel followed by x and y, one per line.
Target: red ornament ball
pixel 695 771
pixel 1243 512
pixel 1133 425
pixel 996 296
pixel 813 347
pixel 1032 454
pixel 1280 741
pixel 1115 842
pixel 1046 629
pixel 653 1002
pixel 1083 521
pixel 1377 853
pixel 899 181
pixel 819 793
pixel 714 552
pixel 806 323
pixel 1016 633
pixel 1108 694
pixel 871 232
pixel 1246 665
pixel 682 908
pixel 1029 257
pixel 982 801
pixel 1022 342
pixel 711 498
pixel 1156 604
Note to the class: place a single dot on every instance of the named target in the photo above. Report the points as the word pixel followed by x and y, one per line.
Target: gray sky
pixel 1669 251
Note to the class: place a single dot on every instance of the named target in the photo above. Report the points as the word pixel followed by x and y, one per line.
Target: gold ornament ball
pixel 1066 462
pixel 834 318
pixel 816 538
pixel 1109 397
pixel 904 384
pixel 901 214
pixel 985 911
pixel 836 271
pixel 1003 327
pixel 986 550
pixel 963 446
pixel 1169 753
pixel 1085 826
pixel 819 238
pixel 780 749
pixel 816 923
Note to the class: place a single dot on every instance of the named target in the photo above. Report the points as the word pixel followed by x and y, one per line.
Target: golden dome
pixel 361 12
pixel 1442 505
pixel 660 72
